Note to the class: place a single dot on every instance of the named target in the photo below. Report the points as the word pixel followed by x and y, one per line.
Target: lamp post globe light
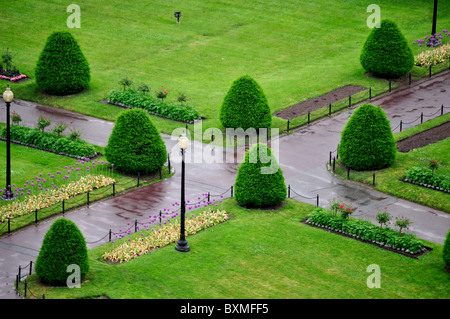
pixel 8 96
pixel 183 143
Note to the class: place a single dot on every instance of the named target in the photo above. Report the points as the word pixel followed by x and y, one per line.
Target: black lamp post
pixel 433 29
pixel 183 143
pixel 177 15
pixel 8 97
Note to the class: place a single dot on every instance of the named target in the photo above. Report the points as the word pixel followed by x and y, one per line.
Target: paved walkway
pixel 302 156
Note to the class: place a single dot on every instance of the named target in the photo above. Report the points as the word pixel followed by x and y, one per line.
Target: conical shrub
pixel 367 142
pixel 63 245
pixel 386 52
pixel 245 106
pixel 62 68
pixel 260 181
pixel 446 251
pixel 135 145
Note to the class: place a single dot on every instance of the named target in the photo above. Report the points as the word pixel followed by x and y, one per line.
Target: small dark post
pixel 421 118
pixel 17 282
pixel 87 195
pixel 370 93
pixel 110 235
pixel 31 266
pixel 25 289
pixel 410 75
pixel 9 225
pixel 160 215
pixel 329 109
pixel 349 100
pixel 231 190
pixel 442 109
pixel 160 173
pixel 289 191
pixel 337 152
pixel 330 158
pixel 209 197
pixel 390 85
pixel 334 163
pixel 135 225
pixel 430 71
pixel 309 117
pixel 138 179
pixel 20 273
pixel 433 27
pixel 317 200
pixel 401 124
pixel 177 15
pixel 288 126
pixel 36 216
pixel 373 180
pixel 63 206
pixel 114 189
pixel 348 172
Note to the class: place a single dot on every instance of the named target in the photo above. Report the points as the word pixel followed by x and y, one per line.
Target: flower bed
pixel 53 196
pixel 163 236
pixel 134 99
pixel 425 177
pixel 13 79
pixel 50 142
pixel 366 231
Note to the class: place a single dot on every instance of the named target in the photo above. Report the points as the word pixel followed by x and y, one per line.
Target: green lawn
pixel 262 254
pixel 295 51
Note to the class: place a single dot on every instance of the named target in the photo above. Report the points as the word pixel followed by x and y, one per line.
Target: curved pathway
pixel 302 156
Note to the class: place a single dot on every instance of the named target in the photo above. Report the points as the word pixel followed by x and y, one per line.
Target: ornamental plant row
pixel 366 231
pixel 425 177
pixel 163 236
pixel 50 142
pixel 135 99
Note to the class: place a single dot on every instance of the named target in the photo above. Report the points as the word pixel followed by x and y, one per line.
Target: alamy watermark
pixel 374 20
pixel 74 20
pixel 74 279
pixel 374 280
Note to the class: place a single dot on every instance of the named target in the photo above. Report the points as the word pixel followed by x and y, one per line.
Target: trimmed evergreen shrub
pixel 386 52
pixel 245 106
pixel 63 245
pixel 62 68
pixel 260 181
pixel 446 251
pixel 135 145
pixel 367 142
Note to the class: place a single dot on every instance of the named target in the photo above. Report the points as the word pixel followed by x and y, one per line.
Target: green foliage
pixel 43 122
pixel 424 176
pixel 446 250
pixel 135 145
pixel 260 181
pixel 50 142
pixel 63 245
pixel 386 52
pixel 365 230
pixel 245 106
pixel 62 68
pixel 367 142
pixel 138 99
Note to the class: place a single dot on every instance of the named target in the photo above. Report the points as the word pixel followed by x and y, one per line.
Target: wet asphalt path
pixel 302 156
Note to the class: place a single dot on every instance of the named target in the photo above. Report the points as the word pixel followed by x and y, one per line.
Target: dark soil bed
pixel 416 256
pixel 432 135
pixel 318 102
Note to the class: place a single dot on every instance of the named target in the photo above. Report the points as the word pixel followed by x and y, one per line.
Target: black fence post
pixel 139 177
pixel 288 126
pixel 114 188
pixel 370 93
pixel 309 117
pixel 442 109
pixel 20 272
pixel 168 159
pixel 348 172
pixel 289 191
pixel 212 135
pixel 410 78
pixel 337 152
pixel 87 195
pixel 330 158
pixel 110 232
pixel 135 225
pixel 401 125
pixel 421 118
pixel 373 180
pixel 317 200
pixel 334 164
pixel 390 86
pixel 36 216
pixel 63 206
pixel 430 71
pixel 160 173
pixel 160 216
pixel 349 100
pixel 209 197
pixel 329 109
pixel 31 265
pixel 25 289
pixel 9 225
pixel 232 190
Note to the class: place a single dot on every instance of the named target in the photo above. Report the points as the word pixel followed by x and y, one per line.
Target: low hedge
pixel 365 230
pixel 425 177
pixel 50 142
pixel 135 99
